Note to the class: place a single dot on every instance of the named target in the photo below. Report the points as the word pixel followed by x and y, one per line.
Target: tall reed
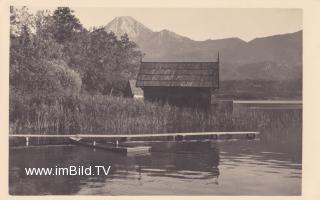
pixel 98 114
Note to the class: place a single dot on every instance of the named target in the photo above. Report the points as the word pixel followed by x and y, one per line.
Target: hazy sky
pixel 201 24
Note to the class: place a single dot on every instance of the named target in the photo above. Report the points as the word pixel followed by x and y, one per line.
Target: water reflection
pixel 183 168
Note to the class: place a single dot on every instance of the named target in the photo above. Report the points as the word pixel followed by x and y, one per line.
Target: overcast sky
pixel 201 24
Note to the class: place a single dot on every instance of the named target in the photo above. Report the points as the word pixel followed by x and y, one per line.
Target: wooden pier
pixel 150 137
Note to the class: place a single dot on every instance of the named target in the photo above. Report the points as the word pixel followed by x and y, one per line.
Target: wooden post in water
pixel 94 144
pixel 27 141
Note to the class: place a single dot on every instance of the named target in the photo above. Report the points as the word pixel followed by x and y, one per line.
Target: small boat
pixel 112 147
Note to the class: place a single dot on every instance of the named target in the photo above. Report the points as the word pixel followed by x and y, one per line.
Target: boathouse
pixel 179 83
pixel 132 91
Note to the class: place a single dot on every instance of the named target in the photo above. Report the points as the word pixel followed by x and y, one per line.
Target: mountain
pixel 277 57
pixel 126 24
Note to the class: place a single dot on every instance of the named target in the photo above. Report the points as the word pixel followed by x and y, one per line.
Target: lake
pixel 270 165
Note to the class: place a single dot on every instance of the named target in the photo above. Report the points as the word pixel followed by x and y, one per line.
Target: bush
pixel 60 78
pixel 45 77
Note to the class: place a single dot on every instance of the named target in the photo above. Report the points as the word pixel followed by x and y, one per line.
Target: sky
pixel 200 23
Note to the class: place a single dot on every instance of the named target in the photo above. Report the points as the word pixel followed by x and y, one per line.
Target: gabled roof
pixel 178 74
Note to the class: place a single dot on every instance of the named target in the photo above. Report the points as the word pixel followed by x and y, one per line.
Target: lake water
pixel 268 166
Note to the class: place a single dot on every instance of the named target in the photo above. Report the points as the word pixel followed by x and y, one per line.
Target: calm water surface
pixel 269 166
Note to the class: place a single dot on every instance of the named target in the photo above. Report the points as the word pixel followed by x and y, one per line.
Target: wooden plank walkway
pixel 138 135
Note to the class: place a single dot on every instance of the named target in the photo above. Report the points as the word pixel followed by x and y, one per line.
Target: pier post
pixel 94 143
pixel 27 141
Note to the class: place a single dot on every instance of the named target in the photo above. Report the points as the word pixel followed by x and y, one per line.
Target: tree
pixel 36 59
pixel 111 62
pixel 75 51
pixel 53 48
pixel 65 24
pixel 130 57
pixel 20 19
pixel 101 61
pixel 59 78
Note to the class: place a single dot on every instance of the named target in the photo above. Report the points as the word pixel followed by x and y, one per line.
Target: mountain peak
pixel 168 33
pixel 127 24
pixel 165 33
pixel 124 17
pixel 127 19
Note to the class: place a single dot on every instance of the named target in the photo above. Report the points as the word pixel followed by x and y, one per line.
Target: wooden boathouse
pixel 179 83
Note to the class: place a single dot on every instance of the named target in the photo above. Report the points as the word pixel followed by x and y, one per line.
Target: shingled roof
pixel 178 74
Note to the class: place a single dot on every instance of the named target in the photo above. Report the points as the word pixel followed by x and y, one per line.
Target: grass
pixel 98 114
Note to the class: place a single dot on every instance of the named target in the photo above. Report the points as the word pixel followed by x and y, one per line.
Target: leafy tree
pixel 54 53
pixel 65 24
pixel 111 62
pixel 101 63
pixel 36 60
pixel 59 78
pixel 75 51
pixel 20 19
pixel 130 57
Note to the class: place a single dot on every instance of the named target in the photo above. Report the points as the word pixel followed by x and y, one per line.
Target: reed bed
pixel 98 114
